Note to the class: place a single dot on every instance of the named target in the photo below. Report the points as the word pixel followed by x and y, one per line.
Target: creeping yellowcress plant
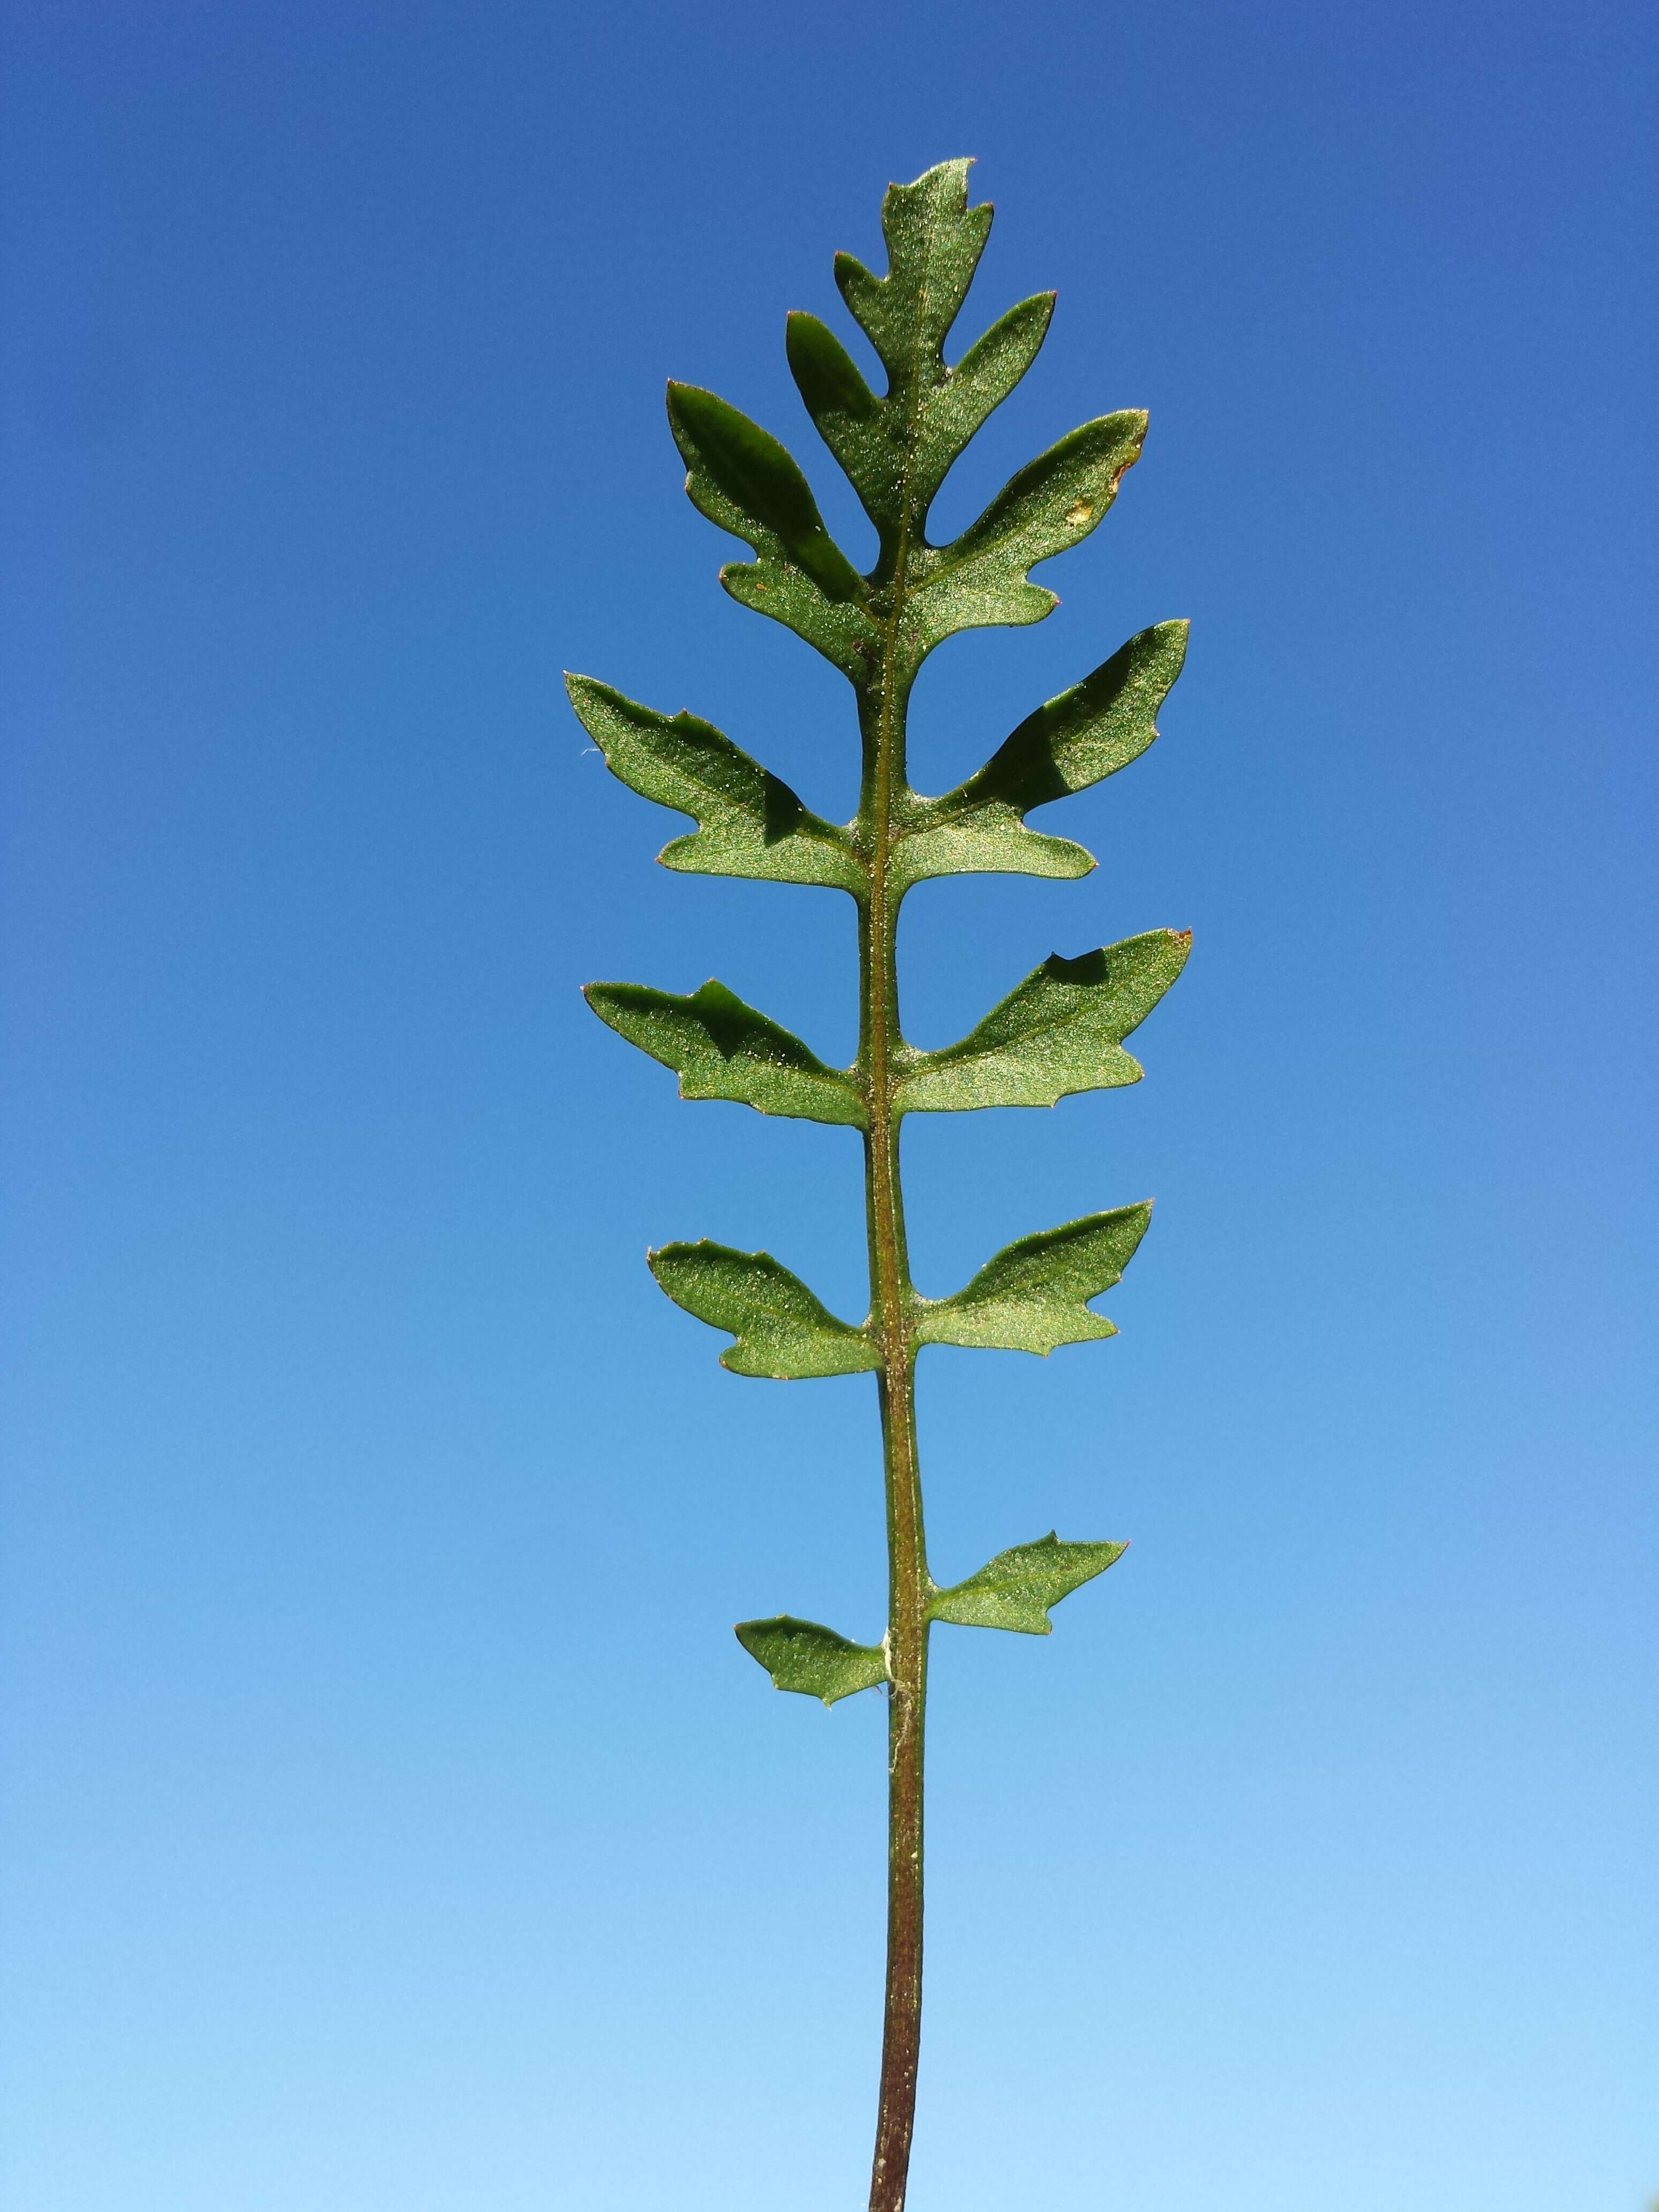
pixel 1060 1031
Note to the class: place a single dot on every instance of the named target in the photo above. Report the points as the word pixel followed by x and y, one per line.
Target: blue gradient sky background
pixel 392 1824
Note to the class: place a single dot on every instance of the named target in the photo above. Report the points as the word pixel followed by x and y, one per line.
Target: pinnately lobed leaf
pixel 1059 1032
pixel 800 1656
pixel 1017 1588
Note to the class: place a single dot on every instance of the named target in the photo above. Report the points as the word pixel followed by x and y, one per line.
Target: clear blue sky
pixel 392 1823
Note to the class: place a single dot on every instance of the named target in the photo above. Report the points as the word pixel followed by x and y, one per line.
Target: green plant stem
pixel 909 1587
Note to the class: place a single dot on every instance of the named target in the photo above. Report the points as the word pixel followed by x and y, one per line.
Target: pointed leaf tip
pixel 825 374
pixel 813 1661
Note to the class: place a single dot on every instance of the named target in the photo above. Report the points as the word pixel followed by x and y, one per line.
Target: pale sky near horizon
pixel 391 1821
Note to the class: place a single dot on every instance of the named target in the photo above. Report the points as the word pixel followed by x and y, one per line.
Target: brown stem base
pixel 900 2041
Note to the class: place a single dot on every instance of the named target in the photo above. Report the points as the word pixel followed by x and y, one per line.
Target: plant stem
pixel 907 1661
pixel 909 1586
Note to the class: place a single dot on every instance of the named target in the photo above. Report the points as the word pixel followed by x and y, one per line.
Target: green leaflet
pixel 859 428
pixel 800 1656
pixel 1061 1031
pixel 972 392
pixel 781 1331
pixel 1087 733
pixel 745 472
pixel 721 1049
pixel 897 450
pixel 1017 1588
pixel 744 481
pixel 1033 1295
pixel 935 239
pixel 868 435
pixel 1053 502
pixel 752 824
pixel 991 840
